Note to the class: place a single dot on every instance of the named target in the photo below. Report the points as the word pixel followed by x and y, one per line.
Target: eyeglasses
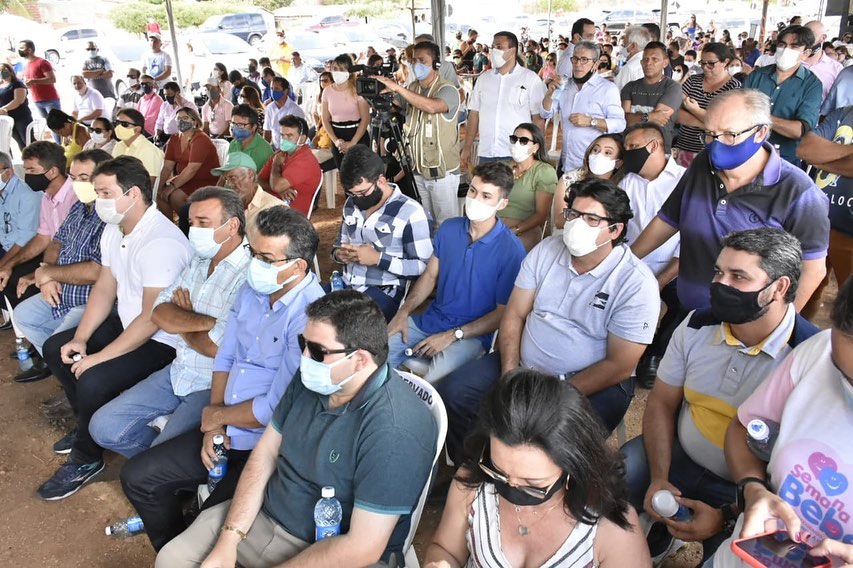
pixel 708 64
pixel 317 351
pixel 523 139
pixel 126 124
pixel 535 492
pixel 590 219
pixel 259 256
pixel 583 60
pixel 7 222
pixel 241 124
pixel 727 138
pixel 97 130
pixel 362 192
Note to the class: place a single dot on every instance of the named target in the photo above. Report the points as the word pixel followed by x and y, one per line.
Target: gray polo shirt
pixel 572 315
pixel 376 451
pixel 644 98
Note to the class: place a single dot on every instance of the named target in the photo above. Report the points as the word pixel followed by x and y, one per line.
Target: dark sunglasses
pixel 486 467
pixel 523 139
pixel 126 124
pixel 97 130
pixel 317 351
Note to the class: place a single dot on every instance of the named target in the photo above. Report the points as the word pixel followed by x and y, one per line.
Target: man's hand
pixel 223 555
pixel 51 292
pixel 554 83
pixel 367 255
pixel 290 194
pixel 390 86
pixel 75 346
pixel 41 276
pixel 208 456
pixel 706 522
pixel 209 421
pixel 346 254
pixel 5 274
pixel 434 344
pixel 465 157
pixel 277 157
pixel 655 486
pixel 399 324
pixel 85 364
pixel 659 117
pixel 181 298
pixel 25 282
pixel 578 119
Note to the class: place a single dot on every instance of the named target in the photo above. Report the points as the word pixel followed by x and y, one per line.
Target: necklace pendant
pixel 523 531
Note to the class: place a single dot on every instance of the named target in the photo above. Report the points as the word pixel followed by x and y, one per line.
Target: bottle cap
pixel 664 503
pixel 108 530
pixel 328 492
pixel 758 430
pixel 218 439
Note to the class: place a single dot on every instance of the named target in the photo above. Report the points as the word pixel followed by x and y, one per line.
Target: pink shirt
pixel 217 117
pixel 55 209
pixel 826 69
pixel 343 106
pixel 149 106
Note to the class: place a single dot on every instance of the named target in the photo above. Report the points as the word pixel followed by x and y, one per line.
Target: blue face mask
pixel 725 157
pixel 317 376
pixel 240 133
pixel 276 95
pixel 421 71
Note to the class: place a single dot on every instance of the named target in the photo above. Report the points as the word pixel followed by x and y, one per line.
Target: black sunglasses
pixel 126 124
pixel 317 351
pixel 97 130
pixel 523 139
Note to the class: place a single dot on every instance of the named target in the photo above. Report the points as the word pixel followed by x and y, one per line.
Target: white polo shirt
pixel 272 114
pixel 86 103
pixel 647 197
pixel 504 102
pixel 153 255
pixel 631 71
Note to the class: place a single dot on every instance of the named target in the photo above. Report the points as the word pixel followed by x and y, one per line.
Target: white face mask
pixel 497 58
pixel 519 151
pixel 599 164
pixel 340 77
pixel 689 64
pixel 317 376
pixel 477 211
pixel 787 58
pixel 734 70
pixel 203 242
pixel 263 277
pixel 676 75
pixel 106 210
pixel 580 238
pixel 98 138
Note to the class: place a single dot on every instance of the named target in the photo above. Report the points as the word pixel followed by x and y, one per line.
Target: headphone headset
pixel 434 52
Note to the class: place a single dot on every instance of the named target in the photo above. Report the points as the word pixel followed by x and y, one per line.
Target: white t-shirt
pixel 812 460
pixel 153 255
pixel 272 114
pixel 86 103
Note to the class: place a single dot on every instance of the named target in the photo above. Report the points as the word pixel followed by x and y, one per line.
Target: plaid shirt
pixel 212 296
pixel 80 237
pixel 399 230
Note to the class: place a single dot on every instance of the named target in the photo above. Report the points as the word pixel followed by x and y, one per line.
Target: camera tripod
pixel 383 121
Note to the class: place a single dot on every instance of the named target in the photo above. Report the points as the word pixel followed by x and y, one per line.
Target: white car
pixel 216 47
pixel 14 29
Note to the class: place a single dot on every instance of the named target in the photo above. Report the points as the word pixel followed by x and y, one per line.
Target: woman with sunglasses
pixel 249 96
pixel 698 92
pixel 549 70
pixel 602 160
pixel 101 136
pixel 538 486
pixel 535 181
pixel 14 103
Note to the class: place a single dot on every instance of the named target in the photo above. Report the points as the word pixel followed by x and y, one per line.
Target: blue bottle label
pixel 325 532
pixel 219 470
pixel 134 525
pixel 23 355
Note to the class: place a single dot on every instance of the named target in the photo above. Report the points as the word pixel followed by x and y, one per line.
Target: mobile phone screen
pixel 778 549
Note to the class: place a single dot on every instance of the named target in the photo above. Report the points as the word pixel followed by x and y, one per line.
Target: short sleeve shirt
pixel 199 150
pixel 88 102
pixel 690 138
pixel 150 155
pixel 838 127
pixel 218 117
pixel 37 69
pixel 103 86
pixel 302 170
pixel 258 149
pixel 540 178
pixel 156 63
pixel 645 97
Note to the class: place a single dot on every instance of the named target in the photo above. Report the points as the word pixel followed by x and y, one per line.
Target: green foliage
pixel 558 6
pixel 272 4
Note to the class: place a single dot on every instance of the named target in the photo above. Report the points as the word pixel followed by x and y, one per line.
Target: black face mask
pixel 634 160
pixel 585 78
pixel 37 182
pixel 170 99
pixel 252 69
pixel 22 53
pixel 735 306
pixel 522 499
pixel 365 202
pixel 146 88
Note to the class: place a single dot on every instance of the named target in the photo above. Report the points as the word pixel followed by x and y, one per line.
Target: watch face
pixel 459 334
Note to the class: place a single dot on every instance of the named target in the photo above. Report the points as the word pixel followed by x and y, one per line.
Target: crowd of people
pixel 172 294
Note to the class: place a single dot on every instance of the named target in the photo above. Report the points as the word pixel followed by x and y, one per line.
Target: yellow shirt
pixel 150 155
pixel 73 147
pixel 277 52
pixel 262 200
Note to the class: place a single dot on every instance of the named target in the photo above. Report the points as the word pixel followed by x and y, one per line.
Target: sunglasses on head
pixel 317 351
pixel 523 139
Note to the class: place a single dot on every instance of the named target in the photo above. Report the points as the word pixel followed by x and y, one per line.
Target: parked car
pixel 218 47
pixel 332 22
pixel 14 29
pixel 316 48
pixel 250 27
pixel 618 20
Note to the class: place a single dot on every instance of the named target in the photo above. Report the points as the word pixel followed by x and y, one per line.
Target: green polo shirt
pixel 259 149
pixel 376 451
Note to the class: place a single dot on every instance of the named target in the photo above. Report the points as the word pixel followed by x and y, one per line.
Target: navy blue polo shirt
pixel 473 278
pixel 797 98
pixel 782 197
pixel 376 451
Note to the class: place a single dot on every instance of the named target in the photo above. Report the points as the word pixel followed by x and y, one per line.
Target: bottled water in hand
pixel 327 515
pixel 220 466
pixel 665 505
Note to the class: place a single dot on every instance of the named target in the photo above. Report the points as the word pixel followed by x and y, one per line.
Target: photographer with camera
pixel 432 104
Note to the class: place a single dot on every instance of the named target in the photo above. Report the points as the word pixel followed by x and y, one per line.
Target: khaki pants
pixel 268 544
pixel 838 260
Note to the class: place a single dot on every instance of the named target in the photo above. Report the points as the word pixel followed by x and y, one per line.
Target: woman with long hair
pixel 14 103
pixel 101 136
pixel 73 134
pixel 250 96
pixel 346 116
pixel 220 73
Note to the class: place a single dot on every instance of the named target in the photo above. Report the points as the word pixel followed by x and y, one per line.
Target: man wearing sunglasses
pixel 347 420
pixel 132 142
pixel 258 355
pixel 583 308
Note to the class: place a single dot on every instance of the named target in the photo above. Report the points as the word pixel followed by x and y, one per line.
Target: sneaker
pixel 68 479
pixel 63 446
pixel 662 545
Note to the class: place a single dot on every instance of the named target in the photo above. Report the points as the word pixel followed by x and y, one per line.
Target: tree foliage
pixel 132 17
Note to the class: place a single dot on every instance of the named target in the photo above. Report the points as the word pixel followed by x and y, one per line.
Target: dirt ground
pixel 70 533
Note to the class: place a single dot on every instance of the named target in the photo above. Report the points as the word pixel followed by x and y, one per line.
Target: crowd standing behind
pixel 169 289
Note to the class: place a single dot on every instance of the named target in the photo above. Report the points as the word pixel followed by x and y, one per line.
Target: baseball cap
pixel 235 160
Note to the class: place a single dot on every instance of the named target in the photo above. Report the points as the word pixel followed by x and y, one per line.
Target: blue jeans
pixel 44 108
pixel 463 390
pixel 34 317
pixel 452 357
pixel 121 425
pixel 694 481
pixel 485 160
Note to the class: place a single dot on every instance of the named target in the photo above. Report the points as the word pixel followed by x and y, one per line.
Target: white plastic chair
pixel 309 92
pixel 430 397
pixel 35 130
pixel 553 153
pixel 330 178
pixel 109 107
pixel 221 149
pixel 7 123
pixel 310 211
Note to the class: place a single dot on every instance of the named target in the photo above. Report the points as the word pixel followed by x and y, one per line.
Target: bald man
pixel 825 67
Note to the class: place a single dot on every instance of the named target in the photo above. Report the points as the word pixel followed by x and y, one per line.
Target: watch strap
pixel 741 502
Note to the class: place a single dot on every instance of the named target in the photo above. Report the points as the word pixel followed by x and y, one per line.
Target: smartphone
pixel 777 549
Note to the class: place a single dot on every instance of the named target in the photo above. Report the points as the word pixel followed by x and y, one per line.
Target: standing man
pixel 216 112
pixel 826 68
pixel 634 41
pixel 246 134
pixel 506 96
pixel 655 97
pixel 447 71
pixel 142 253
pixel 157 62
pixel 40 79
pixel 281 106
pixel 280 54
pixel 795 92
pixel 588 105
pixel 432 106
pixel 98 72
pixel 299 72
pixel 582 30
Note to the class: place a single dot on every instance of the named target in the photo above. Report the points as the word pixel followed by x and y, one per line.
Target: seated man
pixel 292 172
pixel 385 236
pixel 247 136
pixel 132 142
pixel 256 360
pixel 716 358
pixel 195 308
pixel 240 174
pixel 116 344
pixel 583 308
pixel 347 403
pixel 69 267
pixel 475 263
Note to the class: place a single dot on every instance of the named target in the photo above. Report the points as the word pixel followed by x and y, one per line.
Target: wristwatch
pixel 593 122
pixel 458 334
pixel 730 514
pixel 645 117
pixel 741 502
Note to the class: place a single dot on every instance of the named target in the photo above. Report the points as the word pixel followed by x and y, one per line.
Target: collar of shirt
pixel 800 73
pixel 772 169
pixel 771 345
pixel 514 69
pixel 493 233
pixel 147 217
pixel 237 257
pixel 285 300
pixel 602 267
pixel 62 194
pixel 670 175
pixel 10 188
pixel 373 383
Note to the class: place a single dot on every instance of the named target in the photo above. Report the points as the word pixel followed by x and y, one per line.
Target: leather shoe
pixel 647 371
pixel 38 372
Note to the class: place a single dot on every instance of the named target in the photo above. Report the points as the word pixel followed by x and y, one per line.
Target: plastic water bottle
pixel 337 281
pixel 131 526
pixel 665 505
pixel 761 435
pixel 327 515
pixel 25 361
pixel 220 466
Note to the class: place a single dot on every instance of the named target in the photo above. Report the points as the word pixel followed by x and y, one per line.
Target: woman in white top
pixel 101 136
pixel 538 487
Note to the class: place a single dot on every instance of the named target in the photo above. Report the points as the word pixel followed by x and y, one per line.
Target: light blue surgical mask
pixel 317 376
pixel 421 71
pixel 263 277
pixel 287 146
pixel 203 242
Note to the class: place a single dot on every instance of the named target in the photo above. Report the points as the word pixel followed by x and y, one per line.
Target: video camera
pixel 366 84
